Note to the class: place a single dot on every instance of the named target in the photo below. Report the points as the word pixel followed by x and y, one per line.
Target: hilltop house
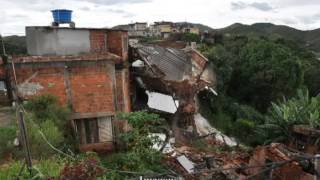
pixel 161 29
pixel 85 68
pixel 139 29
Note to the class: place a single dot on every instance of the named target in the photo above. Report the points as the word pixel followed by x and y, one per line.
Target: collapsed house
pixel 289 167
pixel 85 68
pixel 169 79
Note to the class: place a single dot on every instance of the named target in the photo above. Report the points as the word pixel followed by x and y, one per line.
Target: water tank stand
pixel 56 24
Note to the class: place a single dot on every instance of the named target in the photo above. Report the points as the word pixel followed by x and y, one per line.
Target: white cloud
pixel 16 14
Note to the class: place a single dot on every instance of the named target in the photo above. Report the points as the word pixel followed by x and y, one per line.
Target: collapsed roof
pixel 173 64
pixel 179 73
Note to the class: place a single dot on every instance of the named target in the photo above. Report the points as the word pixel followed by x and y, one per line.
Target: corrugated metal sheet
pixel 174 63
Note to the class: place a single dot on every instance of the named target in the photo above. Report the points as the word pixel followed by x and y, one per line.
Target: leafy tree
pixel 14 45
pixel 266 72
pixel 185 37
pixel 252 73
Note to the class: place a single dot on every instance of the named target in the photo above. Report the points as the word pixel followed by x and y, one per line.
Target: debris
pixel 305 138
pixel 186 163
pixel 161 143
pixel 162 102
pixel 212 90
pixel 204 128
pixel 138 63
pixel 173 75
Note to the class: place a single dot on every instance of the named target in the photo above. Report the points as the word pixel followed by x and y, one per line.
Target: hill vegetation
pixel 258 81
pixel 308 39
pixel 14 45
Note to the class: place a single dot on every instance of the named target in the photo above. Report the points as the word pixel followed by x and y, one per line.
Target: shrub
pixel 39 147
pixel 84 169
pixel 46 107
pixel 7 134
pixel 301 109
pixel 140 156
pixel 245 131
pixel 46 115
pixel 42 169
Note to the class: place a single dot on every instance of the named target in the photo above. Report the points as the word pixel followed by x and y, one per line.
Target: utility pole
pixel 317 167
pixel 24 139
pixel 21 122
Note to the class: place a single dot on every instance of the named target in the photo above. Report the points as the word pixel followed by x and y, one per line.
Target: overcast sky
pixel 301 14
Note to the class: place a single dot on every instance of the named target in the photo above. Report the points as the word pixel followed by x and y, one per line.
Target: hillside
pixel 15 45
pixel 309 39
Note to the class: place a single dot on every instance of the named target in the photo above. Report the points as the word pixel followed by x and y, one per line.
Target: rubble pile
pixel 168 80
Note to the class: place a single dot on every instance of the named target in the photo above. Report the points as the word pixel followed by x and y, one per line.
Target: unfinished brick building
pixel 86 69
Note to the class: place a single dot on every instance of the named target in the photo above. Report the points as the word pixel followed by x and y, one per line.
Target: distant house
pixel 138 29
pixel 163 28
pixel 85 68
pixel 187 28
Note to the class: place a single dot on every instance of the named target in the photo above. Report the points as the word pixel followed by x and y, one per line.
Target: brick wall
pixel 98 40
pixel 198 58
pixel 126 89
pixel 89 88
pixel 123 92
pixel 120 93
pixel 2 69
pixel 117 43
pixel 92 89
pixel 36 81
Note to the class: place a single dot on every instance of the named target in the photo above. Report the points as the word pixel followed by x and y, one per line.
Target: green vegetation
pixel 48 117
pixel 43 115
pixel 139 156
pixel 301 109
pixel 185 37
pixel 253 72
pixel 15 45
pixel 308 39
pixel 7 134
pixel 43 169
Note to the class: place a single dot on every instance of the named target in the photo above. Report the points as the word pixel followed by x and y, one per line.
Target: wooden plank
pixel 105 129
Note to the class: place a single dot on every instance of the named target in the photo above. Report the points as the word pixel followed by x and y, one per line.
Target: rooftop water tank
pixel 61 16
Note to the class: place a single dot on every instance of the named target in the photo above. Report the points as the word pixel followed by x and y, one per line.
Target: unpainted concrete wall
pixel 55 41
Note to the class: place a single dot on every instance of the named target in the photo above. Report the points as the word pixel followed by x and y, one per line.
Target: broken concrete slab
pixel 186 163
pixel 204 128
pixel 162 102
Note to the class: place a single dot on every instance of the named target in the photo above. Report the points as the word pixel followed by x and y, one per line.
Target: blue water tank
pixel 61 15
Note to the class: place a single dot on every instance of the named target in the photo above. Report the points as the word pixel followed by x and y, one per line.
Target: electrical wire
pixel 273 164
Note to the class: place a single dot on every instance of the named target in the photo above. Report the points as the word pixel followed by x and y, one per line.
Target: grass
pixel 42 169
